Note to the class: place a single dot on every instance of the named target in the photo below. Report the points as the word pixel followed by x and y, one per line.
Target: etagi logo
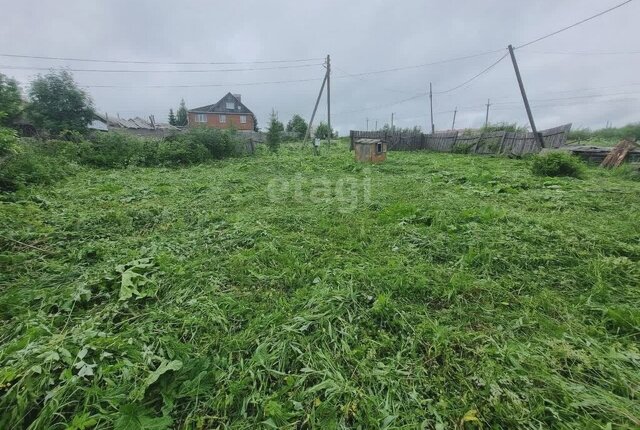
pixel 345 193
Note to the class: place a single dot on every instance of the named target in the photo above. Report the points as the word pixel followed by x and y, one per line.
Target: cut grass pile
pixel 463 292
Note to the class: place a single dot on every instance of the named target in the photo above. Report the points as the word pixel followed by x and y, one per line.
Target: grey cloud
pixel 360 36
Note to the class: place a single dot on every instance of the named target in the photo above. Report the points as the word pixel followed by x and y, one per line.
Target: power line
pixel 574 25
pixel 163 71
pixel 94 60
pixel 485 70
pixel 417 66
pixel 574 97
pixel 203 85
pixel 584 52
pixel 360 78
pixel 385 105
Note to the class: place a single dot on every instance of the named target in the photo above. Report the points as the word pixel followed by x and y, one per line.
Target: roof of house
pixel 131 123
pixel 221 106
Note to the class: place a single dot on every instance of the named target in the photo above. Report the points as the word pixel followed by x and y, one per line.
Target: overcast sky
pixel 593 59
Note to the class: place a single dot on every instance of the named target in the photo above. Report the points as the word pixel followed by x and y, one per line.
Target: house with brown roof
pixel 228 112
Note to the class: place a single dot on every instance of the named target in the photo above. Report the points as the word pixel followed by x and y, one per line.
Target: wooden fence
pixel 495 142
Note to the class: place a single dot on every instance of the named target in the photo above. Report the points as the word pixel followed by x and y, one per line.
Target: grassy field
pixel 293 291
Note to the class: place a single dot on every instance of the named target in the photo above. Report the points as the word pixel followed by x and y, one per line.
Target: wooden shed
pixel 370 150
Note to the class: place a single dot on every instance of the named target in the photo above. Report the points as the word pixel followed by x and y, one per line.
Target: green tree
pixel 322 132
pixel 182 119
pixel 255 124
pixel 172 118
pixel 274 132
pixel 10 100
pixel 297 125
pixel 58 104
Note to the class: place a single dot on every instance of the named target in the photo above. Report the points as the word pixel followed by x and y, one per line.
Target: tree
pixel 322 132
pixel 10 100
pixel 58 104
pixel 255 124
pixel 182 119
pixel 297 125
pixel 172 118
pixel 274 132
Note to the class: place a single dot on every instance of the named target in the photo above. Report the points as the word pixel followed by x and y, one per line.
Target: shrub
pixel 219 144
pixel 112 150
pixel 8 142
pixel 31 164
pixel 557 164
pixel 181 152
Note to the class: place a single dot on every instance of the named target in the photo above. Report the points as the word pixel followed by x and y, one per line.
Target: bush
pixel 112 150
pixel 31 164
pixel 557 164
pixel 172 152
pixel 8 142
pixel 219 144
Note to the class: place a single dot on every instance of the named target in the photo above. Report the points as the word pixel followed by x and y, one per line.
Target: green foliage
pixel 172 118
pixel 29 163
pixel 557 163
pixel 10 101
pixel 255 124
pixel 322 131
pixel 8 142
pixel 274 132
pixel 182 119
pixel 112 150
pixel 465 293
pixel 219 143
pixel 57 104
pixel 297 125
pixel 606 136
pixel 504 126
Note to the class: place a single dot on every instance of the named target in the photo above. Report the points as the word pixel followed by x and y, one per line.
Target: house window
pixel 231 105
pixel 223 119
pixel 379 147
pixel 243 119
pixel 201 117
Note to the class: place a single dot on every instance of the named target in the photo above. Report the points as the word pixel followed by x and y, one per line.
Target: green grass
pixel 464 292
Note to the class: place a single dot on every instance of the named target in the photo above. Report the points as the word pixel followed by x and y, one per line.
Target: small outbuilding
pixel 370 150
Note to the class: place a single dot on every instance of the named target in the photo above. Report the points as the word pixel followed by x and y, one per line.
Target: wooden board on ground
pixel 618 154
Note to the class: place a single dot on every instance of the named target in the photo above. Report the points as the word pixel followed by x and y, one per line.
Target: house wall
pixel 213 121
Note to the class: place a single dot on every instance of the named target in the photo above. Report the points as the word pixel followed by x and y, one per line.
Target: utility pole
pixel 537 136
pixel 392 114
pixel 315 108
pixel 453 125
pixel 376 125
pixel 433 128
pixel 486 119
pixel 367 124
pixel 329 98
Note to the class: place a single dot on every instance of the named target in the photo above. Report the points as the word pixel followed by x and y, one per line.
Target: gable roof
pixel 221 106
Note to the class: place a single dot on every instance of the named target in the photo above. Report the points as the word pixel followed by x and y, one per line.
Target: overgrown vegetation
pixel 606 136
pixel 504 126
pixel 29 161
pixel 10 101
pixel 464 293
pixel 557 163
